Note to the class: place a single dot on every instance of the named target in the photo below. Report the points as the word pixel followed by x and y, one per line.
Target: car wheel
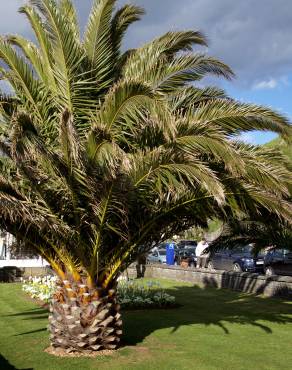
pixel 210 266
pixel 269 271
pixel 237 267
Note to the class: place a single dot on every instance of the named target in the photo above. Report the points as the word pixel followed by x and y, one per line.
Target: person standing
pixel 202 253
pixel 141 265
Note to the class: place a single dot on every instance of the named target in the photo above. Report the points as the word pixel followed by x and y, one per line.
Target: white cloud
pixel 253 37
pixel 272 83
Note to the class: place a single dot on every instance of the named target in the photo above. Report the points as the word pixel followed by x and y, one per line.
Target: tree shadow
pixel 38 313
pixel 207 306
pixel 34 314
pixel 5 365
pixel 31 331
pixel 35 311
pixel 196 306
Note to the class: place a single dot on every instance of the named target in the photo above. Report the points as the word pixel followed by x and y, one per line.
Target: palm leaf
pixel 123 18
pixel 21 78
pixel 234 117
pixel 68 10
pixel 65 48
pixel 97 41
pixel 43 41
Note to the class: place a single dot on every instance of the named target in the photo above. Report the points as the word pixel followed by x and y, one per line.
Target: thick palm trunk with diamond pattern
pixel 84 319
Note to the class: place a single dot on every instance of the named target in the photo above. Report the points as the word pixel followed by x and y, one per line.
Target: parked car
pixel 157 256
pixel 185 244
pixel 239 258
pixel 278 262
pixel 188 254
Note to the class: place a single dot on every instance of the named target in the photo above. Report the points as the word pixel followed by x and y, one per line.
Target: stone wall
pixel 10 274
pixel 240 281
pixel 244 281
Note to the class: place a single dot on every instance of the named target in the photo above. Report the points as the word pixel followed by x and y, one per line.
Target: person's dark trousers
pixel 143 270
pixel 140 270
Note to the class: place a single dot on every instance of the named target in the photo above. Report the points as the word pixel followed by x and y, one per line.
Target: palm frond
pixel 191 96
pixel 97 41
pixel 184 69
pixel 166 47
pixel 31 52
pixel 236 232
pixel 66 49
pixel 124 97
pixel 69 140
pixel 123 18
pixel 69 11
pixel 162 173
pixel 43 41
pixel 21 78
pixel 234 117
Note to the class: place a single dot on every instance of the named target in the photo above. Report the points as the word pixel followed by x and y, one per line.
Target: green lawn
pixel 212 329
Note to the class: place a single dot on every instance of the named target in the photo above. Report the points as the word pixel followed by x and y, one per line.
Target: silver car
pixel 157 256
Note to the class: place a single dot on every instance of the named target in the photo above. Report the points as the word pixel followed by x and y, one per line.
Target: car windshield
pixel 162 253
pixel 246 249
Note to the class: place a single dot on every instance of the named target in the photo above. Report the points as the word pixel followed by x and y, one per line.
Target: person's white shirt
pixel 201 247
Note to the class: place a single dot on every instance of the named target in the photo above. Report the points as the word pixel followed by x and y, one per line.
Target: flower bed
pixel 40 287
pixel 130 294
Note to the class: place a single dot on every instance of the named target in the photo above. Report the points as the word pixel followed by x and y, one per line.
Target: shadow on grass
pixel 5 365
pixel 207 306
pixel 198 306
pixel 34 314
pixel 35 311
pixel 31 332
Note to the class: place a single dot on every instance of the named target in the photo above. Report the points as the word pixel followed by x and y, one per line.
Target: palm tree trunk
pixel 83 318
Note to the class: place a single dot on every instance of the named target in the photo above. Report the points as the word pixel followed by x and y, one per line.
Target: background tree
pixel 108 153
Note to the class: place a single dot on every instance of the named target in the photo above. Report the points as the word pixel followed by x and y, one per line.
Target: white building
pixel 6 240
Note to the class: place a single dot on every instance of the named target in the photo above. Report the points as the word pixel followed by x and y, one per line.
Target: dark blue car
pixel 239 258
pixel 278 262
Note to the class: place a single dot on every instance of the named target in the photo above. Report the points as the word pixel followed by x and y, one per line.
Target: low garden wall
pixel 240 281
pixel 9 274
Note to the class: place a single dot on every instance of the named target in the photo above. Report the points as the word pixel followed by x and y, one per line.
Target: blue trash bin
pixel 170 253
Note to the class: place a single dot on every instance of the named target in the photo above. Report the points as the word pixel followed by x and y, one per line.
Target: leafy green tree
pixel 107 153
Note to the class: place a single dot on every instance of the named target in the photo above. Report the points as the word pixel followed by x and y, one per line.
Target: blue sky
pixel 277 96
pixel 253 37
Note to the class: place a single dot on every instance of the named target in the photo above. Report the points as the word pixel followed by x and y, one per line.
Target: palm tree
pixel 260 233
pixel 107 153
